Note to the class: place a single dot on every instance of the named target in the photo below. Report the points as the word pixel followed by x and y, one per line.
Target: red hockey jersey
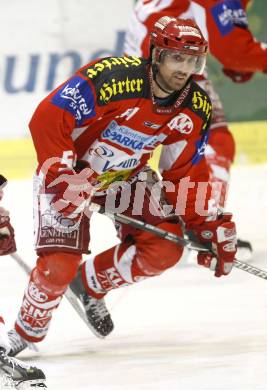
pixel 105 116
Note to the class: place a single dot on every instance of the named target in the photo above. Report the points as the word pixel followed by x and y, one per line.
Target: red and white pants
pixel 140 255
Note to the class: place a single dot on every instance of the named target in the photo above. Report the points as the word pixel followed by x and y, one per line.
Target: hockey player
pixel 225 26
pixel 105 121
pixel 13 371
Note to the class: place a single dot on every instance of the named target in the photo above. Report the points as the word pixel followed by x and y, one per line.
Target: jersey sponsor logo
pixel 103 158
pixel 129 138
pixel 55 226
pixel 101 151
pixel 227 14
pixel 207 234
pixel 152 125
pixel 200 148
pixel 182 123
pixel 230 233
pixel 110 279
pixel 76 97
pixel 36 294
pixel 201 103
pixel 127 164
pixel 37 317
pixel 109 63
pixel 115 89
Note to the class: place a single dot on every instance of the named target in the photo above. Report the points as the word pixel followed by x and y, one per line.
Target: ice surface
pixel 184 330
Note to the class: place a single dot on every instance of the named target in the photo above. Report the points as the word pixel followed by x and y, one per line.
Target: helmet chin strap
pixel 164 90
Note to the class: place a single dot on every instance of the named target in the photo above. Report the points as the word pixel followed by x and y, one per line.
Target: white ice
pixel 184 330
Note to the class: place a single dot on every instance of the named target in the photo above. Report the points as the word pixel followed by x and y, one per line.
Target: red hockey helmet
pixel 181 35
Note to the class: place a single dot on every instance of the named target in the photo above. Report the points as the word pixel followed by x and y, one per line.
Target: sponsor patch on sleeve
pixel 76 97
pixel 200 148
pixel 228 14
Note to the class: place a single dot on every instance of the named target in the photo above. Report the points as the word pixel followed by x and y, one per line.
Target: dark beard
pixel 165 87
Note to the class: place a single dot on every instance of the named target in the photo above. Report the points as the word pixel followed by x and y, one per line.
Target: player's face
pixel 175 68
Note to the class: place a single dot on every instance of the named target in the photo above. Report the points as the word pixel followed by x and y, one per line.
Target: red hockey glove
pixel 238 77
pixel 7 236
pixel 220 237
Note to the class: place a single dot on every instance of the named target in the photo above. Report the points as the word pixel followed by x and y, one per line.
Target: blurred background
pixel 185 329
pixel 42 44
pixel 247 101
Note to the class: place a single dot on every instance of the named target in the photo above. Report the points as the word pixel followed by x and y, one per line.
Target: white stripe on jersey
pixel 170 154
pixel 77 131
pixel 136 31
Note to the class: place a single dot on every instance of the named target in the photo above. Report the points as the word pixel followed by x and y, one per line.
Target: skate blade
pixel 33 384
pixel 77 305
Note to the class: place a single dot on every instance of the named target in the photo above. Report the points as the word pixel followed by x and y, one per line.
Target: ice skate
pixel 98 317
pixel 22 376
pixel 18 343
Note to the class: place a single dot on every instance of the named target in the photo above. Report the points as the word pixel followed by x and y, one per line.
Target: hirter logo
pixel 182 123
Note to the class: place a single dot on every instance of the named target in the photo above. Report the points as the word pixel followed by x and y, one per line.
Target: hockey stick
pixel 146 227
pixel 21 262
pixel 174 238
pixel 68 294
